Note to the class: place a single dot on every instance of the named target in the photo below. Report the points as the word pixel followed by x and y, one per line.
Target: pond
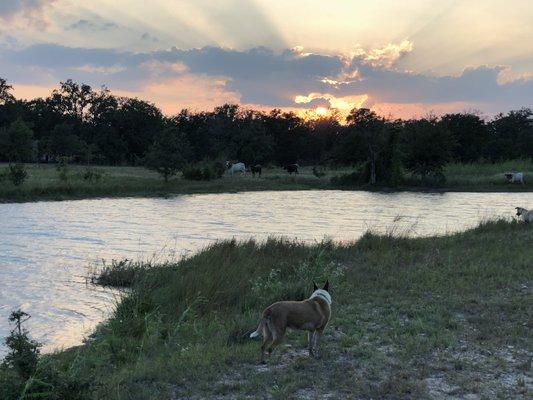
pixel 47 248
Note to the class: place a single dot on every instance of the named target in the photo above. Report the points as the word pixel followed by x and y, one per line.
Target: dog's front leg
pixel 310 341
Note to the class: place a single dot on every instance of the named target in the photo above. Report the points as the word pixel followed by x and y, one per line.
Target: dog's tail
pixel 259 330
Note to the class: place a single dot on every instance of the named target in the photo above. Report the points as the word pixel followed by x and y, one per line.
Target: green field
pixel 440 317
pixel 44 183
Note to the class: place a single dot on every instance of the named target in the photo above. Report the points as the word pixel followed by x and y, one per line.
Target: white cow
pixel 514 177
pixel 526 215
pixel 237 167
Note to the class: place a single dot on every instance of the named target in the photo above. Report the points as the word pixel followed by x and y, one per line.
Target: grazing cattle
pixel 237 167
pixel 514 177
pixel 526 215
pixel 291 168
pixel 256 169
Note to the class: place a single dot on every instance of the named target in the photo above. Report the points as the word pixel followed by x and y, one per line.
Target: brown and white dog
pixel 526 215
pixel 311 315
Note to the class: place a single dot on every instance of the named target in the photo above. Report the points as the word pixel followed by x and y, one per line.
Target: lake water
pixel 46 248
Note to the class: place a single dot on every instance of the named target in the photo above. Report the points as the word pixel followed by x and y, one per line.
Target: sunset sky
pixel 401 58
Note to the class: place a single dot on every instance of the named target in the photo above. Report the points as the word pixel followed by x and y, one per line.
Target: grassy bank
pixel 44 183
pixel 441 317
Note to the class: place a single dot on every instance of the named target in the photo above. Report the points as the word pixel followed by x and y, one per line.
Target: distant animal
pixel 514 177
pixel 237 167
pixel 290 168
pixel 526 215
pixel 311 315
pixel 256 169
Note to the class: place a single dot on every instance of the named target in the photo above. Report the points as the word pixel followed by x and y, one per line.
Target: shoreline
pixel 44 183
pixel 411 317
pixel 64 194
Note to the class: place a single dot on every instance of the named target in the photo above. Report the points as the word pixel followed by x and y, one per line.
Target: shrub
pixel 358 177
pixel 92 175
pixel 23 352
pixel 219 169
pixel 319 172
pixel 17 174
pixel 192 173
pixel 204 171
pixel 62 168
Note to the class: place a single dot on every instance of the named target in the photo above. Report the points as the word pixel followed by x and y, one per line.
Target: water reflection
pixel 46 247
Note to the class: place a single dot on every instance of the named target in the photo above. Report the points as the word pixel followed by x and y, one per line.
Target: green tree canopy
pixel 427 146
pixel 168 154
pixel 16 142
pixel 470 133
pixel 373 133
pixel 64 143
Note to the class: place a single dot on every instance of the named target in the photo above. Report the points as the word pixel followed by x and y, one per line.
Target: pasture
pixel 44 181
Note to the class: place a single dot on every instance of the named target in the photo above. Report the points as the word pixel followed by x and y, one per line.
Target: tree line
pixel 93 126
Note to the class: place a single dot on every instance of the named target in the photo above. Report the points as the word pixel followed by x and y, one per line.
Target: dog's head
pixel 322 293
pixel 520 211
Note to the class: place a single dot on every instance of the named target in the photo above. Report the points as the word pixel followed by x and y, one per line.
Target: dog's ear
pixel 326 286
pixel 315 287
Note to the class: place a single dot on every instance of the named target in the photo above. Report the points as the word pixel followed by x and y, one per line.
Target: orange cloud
pixel 93 69
pixel 345 103
pixel 185 91
pixel 417 110
pixel 158 67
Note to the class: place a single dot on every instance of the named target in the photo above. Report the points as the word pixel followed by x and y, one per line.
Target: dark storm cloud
pixel 263 76
pixel 478 85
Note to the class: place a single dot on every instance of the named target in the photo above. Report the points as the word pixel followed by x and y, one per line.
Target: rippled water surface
pixel 46 248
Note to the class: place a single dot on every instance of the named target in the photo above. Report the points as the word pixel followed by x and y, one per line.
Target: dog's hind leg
pixel 267 342
pixel 274 344
pixel 266 346
pixel 278 332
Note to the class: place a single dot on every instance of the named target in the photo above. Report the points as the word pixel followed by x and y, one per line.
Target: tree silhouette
pixel 168 154
pixel 16 142
pixel 5 95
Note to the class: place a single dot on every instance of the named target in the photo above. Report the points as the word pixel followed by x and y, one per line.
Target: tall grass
pixel 403 309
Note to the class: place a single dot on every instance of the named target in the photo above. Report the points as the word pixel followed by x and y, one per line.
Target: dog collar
pixel 321 295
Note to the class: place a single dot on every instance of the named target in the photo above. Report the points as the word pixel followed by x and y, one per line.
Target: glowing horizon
pixel 402 60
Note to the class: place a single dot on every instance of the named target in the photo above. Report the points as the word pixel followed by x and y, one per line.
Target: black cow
pixel 291 168
pixel 256 169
